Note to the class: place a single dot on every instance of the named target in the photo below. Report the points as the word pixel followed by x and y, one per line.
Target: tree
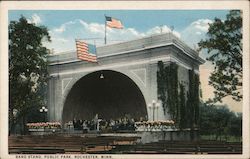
pixel 224 46
pixel 235 128
pixel 219 121
pixel 27 67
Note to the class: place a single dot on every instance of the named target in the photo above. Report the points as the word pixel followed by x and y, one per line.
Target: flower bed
pixel 155 125
pixel 43 128
pixel 44 125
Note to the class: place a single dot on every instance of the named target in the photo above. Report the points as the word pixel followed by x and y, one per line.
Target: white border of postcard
pixel 128 5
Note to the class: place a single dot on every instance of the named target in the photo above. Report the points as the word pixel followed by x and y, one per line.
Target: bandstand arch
pixel 113 96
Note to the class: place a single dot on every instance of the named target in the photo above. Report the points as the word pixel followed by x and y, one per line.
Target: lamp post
pixel 157 107
pixel 154 105
pixel 43 110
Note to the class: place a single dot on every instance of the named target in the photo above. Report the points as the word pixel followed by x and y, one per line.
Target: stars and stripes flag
pixel 85 51
pixel 113 23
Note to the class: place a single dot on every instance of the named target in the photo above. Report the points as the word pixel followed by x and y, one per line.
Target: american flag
pixel 113 23
pixel 86 52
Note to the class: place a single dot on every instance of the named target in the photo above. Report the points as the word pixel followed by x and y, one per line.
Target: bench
pixel 36 150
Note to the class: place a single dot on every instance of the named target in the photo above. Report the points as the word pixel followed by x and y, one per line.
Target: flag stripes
pixel 84 51
pixel 113 23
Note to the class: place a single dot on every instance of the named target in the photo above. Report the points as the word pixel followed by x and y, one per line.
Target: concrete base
pixel 155 136
pixel 43 131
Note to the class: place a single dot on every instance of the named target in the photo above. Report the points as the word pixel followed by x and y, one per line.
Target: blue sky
pixel 140 20
pixel 67 25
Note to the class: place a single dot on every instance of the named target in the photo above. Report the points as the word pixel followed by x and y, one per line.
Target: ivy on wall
pixel 193 99
pixel 162 85
pixel 183 109
pixel 167 81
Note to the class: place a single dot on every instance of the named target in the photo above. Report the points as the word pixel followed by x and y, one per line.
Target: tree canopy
pixel 27 65
pixel 224 48
pixel 219 121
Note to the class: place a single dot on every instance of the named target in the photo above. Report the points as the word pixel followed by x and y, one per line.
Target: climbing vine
pixel 193 102
pixel 167 80
pixel 184 111
pixel 193 99
pixel 162 85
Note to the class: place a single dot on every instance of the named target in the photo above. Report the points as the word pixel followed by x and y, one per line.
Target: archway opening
pixel 111 97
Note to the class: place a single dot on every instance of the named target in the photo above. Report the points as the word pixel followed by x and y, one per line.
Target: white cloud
pixel 199 33
pixel 196 31
pixel 35 19
pixel 95 28
pixel 62 28
pixel 201 24
pixel 63 37
pixel 80 29
pixel 83 23
pixel 162 29
pixel 60 39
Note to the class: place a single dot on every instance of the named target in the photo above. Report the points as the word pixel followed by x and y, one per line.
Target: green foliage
pixel 185 112
pixel 193 102
pixel 224 46
pixel 219 121
pixel 235 125
pixel 167 80
pixel 183 109
pixel 27 66
pixel 162 85
pixel 172 91
pixel 193 99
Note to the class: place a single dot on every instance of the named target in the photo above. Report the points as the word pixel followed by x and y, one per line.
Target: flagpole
pixel 105 36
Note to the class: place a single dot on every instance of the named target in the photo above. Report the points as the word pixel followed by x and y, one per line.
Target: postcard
pixel 124 79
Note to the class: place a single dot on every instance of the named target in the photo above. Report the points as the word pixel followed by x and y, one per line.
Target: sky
pixel 67 25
